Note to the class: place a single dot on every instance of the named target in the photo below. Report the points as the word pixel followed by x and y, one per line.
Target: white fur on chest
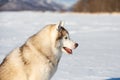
pixel 42 71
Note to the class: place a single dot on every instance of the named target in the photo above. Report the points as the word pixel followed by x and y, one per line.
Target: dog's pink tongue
pixel 68 50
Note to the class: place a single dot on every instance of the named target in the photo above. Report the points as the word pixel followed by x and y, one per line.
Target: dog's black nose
pixel 76 45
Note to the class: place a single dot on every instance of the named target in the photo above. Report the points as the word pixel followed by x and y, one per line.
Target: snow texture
pixel 98 54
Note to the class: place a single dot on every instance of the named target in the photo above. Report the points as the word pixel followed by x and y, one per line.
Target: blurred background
pixel 61 5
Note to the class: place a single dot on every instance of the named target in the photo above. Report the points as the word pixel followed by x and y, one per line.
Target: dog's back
pixel 12 67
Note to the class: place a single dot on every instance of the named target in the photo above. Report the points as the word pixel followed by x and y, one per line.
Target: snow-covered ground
pixel 98 54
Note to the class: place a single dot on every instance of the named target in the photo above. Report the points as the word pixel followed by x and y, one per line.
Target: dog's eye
pixel 66 38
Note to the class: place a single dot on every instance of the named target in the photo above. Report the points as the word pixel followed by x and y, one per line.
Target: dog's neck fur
pixel 49 55
pixel 52 59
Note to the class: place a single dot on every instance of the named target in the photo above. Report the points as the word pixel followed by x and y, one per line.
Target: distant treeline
pixel 97 6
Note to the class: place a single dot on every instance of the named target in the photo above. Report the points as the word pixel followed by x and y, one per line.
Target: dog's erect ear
pixel 59 25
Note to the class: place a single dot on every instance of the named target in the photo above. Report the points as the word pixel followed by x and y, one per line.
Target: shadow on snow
pixel 113 79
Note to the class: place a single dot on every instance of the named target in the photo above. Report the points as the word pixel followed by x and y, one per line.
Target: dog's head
pixel 63 39
pixel 53 38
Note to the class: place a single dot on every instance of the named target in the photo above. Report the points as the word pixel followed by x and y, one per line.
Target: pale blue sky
pixel 67 2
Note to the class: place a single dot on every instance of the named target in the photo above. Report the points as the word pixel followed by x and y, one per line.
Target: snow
pixel 98 35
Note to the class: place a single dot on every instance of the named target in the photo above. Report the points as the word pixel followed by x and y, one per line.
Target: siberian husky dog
pixel 38 58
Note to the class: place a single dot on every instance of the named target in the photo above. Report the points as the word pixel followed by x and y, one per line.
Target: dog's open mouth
pixel 68 50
